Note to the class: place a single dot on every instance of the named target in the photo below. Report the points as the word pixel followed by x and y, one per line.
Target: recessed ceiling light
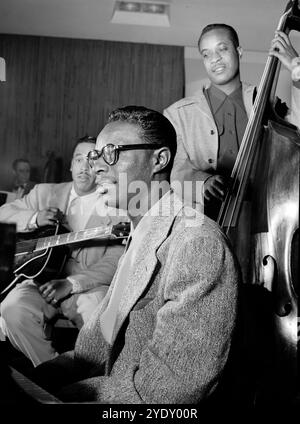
pixel 142 13
pixel 153 8
pixel 129 6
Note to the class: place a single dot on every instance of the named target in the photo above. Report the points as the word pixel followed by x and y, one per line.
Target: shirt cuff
pixel 32 224
pixel 296 69
pixel 76 287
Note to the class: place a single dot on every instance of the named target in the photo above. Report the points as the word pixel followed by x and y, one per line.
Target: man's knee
pixel 17 309
pixel 14 314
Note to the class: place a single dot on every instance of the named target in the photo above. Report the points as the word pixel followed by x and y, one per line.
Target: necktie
pixel 75 215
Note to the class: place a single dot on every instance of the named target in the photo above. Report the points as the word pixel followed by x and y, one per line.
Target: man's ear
pixel 161 157
pixel 240 51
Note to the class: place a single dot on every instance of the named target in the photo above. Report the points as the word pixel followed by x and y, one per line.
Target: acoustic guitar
pixel 36 258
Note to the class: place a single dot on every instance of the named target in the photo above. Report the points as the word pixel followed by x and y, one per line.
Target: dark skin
pixel 84 182
pixel 216 186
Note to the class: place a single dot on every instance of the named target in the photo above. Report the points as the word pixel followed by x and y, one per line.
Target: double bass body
pixel 268 159
pixel 275 241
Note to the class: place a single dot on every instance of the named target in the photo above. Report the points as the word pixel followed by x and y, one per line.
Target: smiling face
pixel 221 58
pixel 133 168
pixel 83 175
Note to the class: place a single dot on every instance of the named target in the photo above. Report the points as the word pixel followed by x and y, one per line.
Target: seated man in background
pixel 22 183
pixel 163 332
pixel 88 271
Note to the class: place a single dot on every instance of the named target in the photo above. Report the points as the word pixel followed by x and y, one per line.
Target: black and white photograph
pixel 149 210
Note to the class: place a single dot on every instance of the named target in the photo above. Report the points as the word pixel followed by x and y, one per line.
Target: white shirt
pixel 83 207
pixel 109 316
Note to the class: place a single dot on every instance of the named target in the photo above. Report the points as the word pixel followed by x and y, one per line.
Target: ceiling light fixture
pixel 142 13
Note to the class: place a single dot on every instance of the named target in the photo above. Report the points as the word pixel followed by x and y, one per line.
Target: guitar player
pixel 28 310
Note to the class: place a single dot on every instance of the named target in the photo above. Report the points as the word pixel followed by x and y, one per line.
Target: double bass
pixel 268 161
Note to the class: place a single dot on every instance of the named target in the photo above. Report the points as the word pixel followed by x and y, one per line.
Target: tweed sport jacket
pixel 174 325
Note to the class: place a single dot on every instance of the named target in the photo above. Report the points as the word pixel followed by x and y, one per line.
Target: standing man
pixel 163 332
pixel 210 125
pixel 28 309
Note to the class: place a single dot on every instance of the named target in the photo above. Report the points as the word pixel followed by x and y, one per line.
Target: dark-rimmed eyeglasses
pixel 110 152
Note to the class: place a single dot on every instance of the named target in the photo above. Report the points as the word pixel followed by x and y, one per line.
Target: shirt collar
pixel 144 224
pixel 217 97
pixel 88 196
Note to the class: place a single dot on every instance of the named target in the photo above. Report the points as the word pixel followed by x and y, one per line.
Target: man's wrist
pixel 76 287
pixel 32 224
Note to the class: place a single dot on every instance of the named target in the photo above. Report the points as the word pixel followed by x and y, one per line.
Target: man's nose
pixel 85 164
pixel 99 166
pixel 215 57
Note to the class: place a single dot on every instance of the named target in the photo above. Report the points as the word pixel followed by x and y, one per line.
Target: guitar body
pixel 41 265
pixel 41 255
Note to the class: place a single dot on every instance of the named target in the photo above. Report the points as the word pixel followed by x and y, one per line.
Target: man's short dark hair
pixel 85 139
pixel 233 34
pixel 17 161
pixel 154 127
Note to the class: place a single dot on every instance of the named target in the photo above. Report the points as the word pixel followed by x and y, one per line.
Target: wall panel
pixel 59 89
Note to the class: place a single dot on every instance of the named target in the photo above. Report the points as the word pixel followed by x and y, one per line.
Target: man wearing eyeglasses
pixel 162 334
pixel 28 311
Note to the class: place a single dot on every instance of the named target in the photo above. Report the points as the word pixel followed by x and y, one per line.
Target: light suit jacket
pixel 197 134
pixel 96 263
pixel 174 323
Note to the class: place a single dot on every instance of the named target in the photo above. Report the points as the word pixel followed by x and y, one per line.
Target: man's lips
pixel 218 69
pixel 83 176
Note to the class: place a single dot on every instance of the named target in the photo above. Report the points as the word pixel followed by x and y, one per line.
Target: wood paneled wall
pixel 59 89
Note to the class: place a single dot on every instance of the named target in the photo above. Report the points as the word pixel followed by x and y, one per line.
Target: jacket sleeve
pixel 293 115
pixel 22 210
pixel 187 352
pixel 183 170
pixel 95 266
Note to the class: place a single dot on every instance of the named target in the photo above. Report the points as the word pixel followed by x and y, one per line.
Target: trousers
pixel 26 318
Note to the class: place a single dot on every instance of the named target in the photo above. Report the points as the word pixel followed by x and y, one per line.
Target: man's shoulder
pixel 197 97
pixel 247 87
pixel 196 236
pixel 53 186
pixel 195 224
pixel 185 101
pixel 45 192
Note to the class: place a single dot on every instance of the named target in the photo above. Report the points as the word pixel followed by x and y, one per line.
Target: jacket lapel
pixel 146 259
pixel 61 196
pixel 202 101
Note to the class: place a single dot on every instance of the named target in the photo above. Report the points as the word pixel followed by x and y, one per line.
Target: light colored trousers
pixel 25 317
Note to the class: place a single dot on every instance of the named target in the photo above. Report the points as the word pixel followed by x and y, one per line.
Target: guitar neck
pixel 63 239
